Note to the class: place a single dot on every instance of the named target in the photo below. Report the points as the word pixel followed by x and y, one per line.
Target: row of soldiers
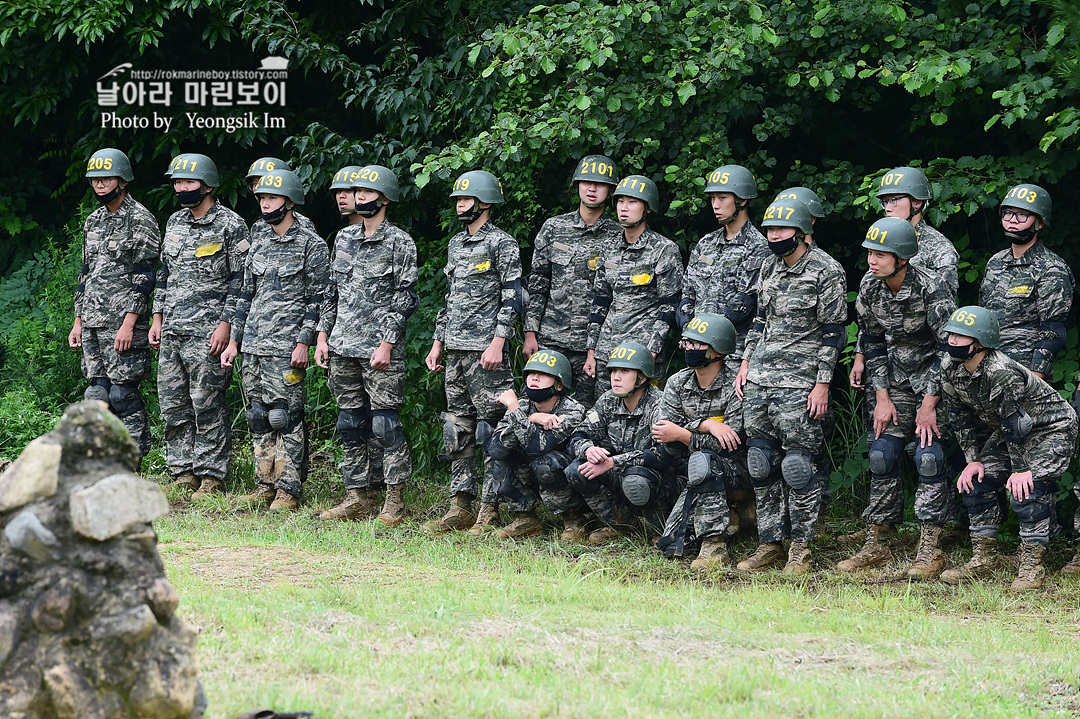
pixel 762 320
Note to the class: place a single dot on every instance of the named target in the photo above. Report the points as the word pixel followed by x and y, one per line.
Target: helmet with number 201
pixel 891 234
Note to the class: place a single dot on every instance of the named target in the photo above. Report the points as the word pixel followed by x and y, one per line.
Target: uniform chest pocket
pixel 118 242
pixel 290 270
pixel 342 265
pixel 173 245
pixel 375 264
pixel 639 278
pixel 562 254
pixel 477 265
pixel 1020 288
pixel 259 265
pixel 210 250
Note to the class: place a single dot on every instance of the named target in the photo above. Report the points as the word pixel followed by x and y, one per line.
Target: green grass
pixel 355 620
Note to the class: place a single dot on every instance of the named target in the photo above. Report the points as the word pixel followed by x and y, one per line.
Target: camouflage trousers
pixel 934 497
pixel 191 394
pixel 605 498
pixel 776 420
pixel 704 511
pixel 356 385
pixel 526 490
pixel 1048 456
pixel 471 392
pixel 280 455
pixel 101 361
pixel 584 385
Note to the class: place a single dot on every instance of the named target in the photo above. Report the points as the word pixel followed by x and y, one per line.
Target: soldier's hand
pixel 884 414
pixel 493 355
pixel 530 345
pixel 300 358
pixel 740 380
pixel 380 359
pixel 926 425
pixel 1040 375
pixel 509 400
pixel 858 366
pixel 1021 484
pixel 154 336
pixel 590 364
pixel 123 338
pixel 966 481
pixel 322 353
pixel 596 455
pixel 665 431
pixel 725 434
pixel 218 341
pixel 229 354
pixel 433 357
pixel 592 470
pixel 75 336
pixel 817 404
pixel 546 420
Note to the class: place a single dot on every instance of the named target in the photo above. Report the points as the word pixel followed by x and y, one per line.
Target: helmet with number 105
pixel 596 168
pixel 551 363
pixel 712 329
pixel 110 162
pixel 482 185
pixel 977 322
pixel 1031 198
pixel 735 179
pixel 641 188
pixel 786 213
pixel 891 234
pixel 904 181
pixel 281 182
pixel 631 355
pixel 378 178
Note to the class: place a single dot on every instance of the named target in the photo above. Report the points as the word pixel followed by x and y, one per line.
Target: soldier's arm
pixel 161 284
pixel 832 314
pixel 742 304
pixel 243 300
pixel 321 305
pixel 539 279
pixel 939 309
pixel 238 244
pixel 405 301
pixel 509 259
pixel 601 300
pixel 588 434
pixel 145 253
pixel 1054 288
pixel 962 421
pixel 80 287
pixel 669 276
pixel 874 345
pixel 1009 388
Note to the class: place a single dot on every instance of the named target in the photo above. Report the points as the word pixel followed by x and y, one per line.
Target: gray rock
pixel 35 474
pixel 113 504
pixel 72 696
pixel 9 634
pixel 162 598
pixel 27 534
pixel 130 627
pixel 51 611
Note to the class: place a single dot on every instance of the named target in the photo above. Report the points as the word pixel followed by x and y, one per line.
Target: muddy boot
pixel 573 528
pixel 1032 572
pixel 207 486
pixel 393 510
pixel 874 551
pixel 714 553
pixel 799 560
pixel 525 524
pixel 487 520
pixel 354 505
pixel 264 495
pixel 607 534
pixel 459 516
pixel 185 481
pixel 768 554
pixel 1073 567
pixel 983 563
pixel 283 501
pixel 929 559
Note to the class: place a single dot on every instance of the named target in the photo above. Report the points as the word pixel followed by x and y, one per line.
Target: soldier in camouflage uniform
pixel 564 261
pixel 725 265
pixel 701 411
pixel 620 471
pixel 284 299
pixel 901 311
pixel 528 448
pixel 787 366
pixel 638 280
pixel 1016 432
pixel 198 286
pixel 268 164
pixel 363 346
pixel 121 243
pixel 483 270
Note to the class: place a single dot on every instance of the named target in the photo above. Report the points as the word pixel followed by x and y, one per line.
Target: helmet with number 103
pixel 1031 198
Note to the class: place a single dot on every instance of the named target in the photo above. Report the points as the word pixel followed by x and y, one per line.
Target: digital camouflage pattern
pixel 937 254
pixel 635 292
pixel 1031 296
pixel 100 359
pixel 472 393
pixel 280 456
pixel 374 281
pixel 626 435
pixel 722 277
pixel 799 329
pixel 481 271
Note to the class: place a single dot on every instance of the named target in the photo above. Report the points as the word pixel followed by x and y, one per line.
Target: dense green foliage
pixel 826 93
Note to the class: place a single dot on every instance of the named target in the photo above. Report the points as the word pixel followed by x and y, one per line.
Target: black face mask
pixel 274 217
pixel 540 395
pixel 109 196
pixel 189 198
pixel 369 209
pixel 783 248
pixel 470 215
pixel 696 358
pixel 1023 236
pixel 961 354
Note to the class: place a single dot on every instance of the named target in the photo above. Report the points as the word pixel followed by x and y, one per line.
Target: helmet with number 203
pixel 281 182
pixel 631 355
pixel 551 363
pixel 1031 198
pixel 714 330
pixel 977 322
pixel 110 162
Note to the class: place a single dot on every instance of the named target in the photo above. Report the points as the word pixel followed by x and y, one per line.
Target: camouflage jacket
pixel 998 388
pixel 634 294
pixel 533 440
pixel 374 282
pixel 119 253
pixel 286 295
pixel 481 270
pixel 722 277
pixel 686 404
pixel 202 269
pixel 937 254
pixel 565 255
pixel 799 329
pixel 623 433
pixel 1031 296
pixel 903 334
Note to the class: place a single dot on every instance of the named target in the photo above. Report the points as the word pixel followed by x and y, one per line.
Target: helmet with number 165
pixel 735 179
pixel 713 330
pixel 551 363
pixel 641 188
pixel 1031 198
pixel 110 162
pixel 631 355
pixel 977 322
pixel 891 234
pixel 281 182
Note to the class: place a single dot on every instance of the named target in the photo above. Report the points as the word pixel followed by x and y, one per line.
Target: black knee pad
pixel 574 477
pixel 484 430
pixel 549 469
pixel 124 400
pixel 1031 510
pixel 798 469
pixel 884 456
pixel 354 427
pixel 257 418
pixel 98 390
pixel 278 416
pixel 496 449
pixel 930 463
pixel 386 428
pixel 637 485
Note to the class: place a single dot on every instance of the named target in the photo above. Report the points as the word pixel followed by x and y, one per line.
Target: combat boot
pixel 1032 572
pixel 354 505
pixel 487 520
pixel 983 563
pixel 607 534
pixel 283 501
pixel 573 527
pixel 799 560
pixel 207 486
pixel 929 559
pixel 1073 567
pixel 733 523
pixel 393 510
pixel 185 481
pixel 525 524
pixel 874 551
pixel 264 494
pixel 459 516
pixel 713 553
pixel 768 554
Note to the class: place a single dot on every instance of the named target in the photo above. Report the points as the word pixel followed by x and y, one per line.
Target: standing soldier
pixel 902 310
pixel 725 265
pixel 787 366
pixel 638 279
pixel 701 411
pixel 485 292
pixel 121 243
pixel 564 261
pixel 362 344
pixel 265 165
pixel 1016 432
pixel 618 470
pixel 284 300
pixel 198 286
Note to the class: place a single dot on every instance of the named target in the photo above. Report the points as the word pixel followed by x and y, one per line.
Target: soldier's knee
pixel 354 427
pixel 98 390
pixel 257 418
pixel 386 428
pixel 637 485
pixel 931 464
pixel 125 400
pixel 798 469
pixel 885 456
pixel 703 473
pixel 549 469
pixel 761 460
pixel 1038 506
pixel 458 437
pixel 484 430
pixel 574 477
pixel 280 419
